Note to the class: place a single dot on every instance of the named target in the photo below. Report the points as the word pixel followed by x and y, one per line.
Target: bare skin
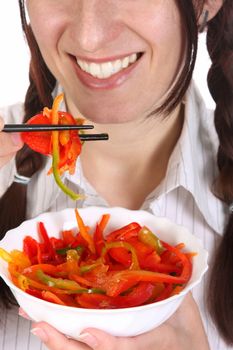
pixel 136 154
pixel 9 145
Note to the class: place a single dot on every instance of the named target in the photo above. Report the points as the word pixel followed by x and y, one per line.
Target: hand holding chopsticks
pixel 51 127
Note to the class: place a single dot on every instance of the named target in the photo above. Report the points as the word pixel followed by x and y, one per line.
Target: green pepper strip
pixel 55 153
pixel 64 251
pixel 57 282
pixel 88 268
pixel 66 284
pixel 134 264
pixel 149 238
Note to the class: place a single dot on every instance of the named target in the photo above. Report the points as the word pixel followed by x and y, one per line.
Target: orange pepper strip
pixel 53 298
pixel 177 290
pixel 80 280
pixel 103 222
pixel 85 235
pixel 55 151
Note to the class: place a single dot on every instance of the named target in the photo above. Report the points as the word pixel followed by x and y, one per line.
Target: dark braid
pixel 28 162
pixel 220 81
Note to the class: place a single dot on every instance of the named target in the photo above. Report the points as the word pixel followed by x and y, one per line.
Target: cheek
pixel 167 47
pixel 47 23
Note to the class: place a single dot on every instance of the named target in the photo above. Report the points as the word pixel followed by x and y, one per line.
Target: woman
pixel 127 66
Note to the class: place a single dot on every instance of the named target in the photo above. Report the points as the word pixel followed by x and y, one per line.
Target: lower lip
pixel 104 84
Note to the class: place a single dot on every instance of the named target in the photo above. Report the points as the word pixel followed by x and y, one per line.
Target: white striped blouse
pixel 184 196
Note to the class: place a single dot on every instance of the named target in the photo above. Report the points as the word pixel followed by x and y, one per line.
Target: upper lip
pixel 104 59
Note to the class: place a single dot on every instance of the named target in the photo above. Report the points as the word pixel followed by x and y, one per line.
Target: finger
pixel 6 159
pixel 187 314
pixel 187 321
pixel 55 340
pixel 23 314
pixel 1 123
pixel 9 143
pixel 99 340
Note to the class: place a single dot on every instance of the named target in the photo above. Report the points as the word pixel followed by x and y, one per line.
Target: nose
pixel 95 24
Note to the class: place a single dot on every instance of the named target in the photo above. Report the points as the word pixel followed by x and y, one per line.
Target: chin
pixel 106 118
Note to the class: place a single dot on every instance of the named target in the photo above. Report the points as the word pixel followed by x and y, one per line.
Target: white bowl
pixel 119 322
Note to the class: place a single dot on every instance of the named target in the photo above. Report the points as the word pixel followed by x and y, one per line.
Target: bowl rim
pixel 185 291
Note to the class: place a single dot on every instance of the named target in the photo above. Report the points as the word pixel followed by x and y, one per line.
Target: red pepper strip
pixel 79 241
pixel 94 301
pixel 119 234
pixel 166 293
pixel 121 255
pixel 30 248
pixel 57 243
pixel 98 234
pixel 56 155
pixel 121 281
pixel 70 144
pixel 187 266
pixel 82 228
pixel 138 296
pixel 38 141
pixel 34 292
pixel 98 239
pixel 143 251
pixel 158 289
pixel 48 245
pixel 46 268
pixel 134 260
pixel 151 261
pixel 69 300
pixel 167 257
pixel 68 237
pixel 42 257
pixel 152 265
pixel 98 276
pixel 51 297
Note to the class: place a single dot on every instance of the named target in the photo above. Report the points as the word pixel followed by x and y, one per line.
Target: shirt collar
pixel 193 161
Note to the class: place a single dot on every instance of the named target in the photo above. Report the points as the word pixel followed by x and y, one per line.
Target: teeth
pixel 107 69
pixel 125 62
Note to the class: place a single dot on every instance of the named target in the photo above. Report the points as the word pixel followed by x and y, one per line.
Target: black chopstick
pixel 93 137
pixel 43 127
pixel 48 127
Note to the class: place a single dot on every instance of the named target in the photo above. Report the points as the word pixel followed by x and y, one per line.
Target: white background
pixel 14 58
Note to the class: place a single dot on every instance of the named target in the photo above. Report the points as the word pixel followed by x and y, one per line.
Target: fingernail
pixel 40 333
pixel 23 314
pixel 16 139
pixel 88 339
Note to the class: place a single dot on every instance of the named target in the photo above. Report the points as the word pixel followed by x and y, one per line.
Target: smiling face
pixel 115 59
